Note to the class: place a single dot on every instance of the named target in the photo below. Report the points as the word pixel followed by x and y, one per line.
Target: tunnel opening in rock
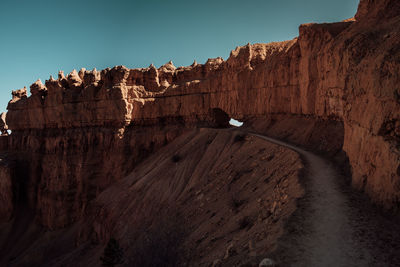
pixel 235 123
pixel 219 118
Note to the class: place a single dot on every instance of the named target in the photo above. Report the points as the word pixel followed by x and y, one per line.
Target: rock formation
pixel 6 191
pixel 77 139
pixel 83 131
pixel 3 125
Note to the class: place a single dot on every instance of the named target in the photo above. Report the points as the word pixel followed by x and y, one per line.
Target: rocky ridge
pixel 345 72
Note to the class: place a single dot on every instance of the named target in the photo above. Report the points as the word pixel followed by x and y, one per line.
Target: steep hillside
pixel 224 195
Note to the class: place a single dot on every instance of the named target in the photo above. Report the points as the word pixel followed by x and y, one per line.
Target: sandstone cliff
pixel 346 73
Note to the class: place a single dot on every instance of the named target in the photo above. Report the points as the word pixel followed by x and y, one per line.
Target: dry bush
pixel 176 158
pixel 161 244
pixel 239 138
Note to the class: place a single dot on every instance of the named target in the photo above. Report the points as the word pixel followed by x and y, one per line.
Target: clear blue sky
pixel 38 38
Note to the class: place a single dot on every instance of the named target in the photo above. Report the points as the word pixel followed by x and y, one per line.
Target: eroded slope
pixel 225 189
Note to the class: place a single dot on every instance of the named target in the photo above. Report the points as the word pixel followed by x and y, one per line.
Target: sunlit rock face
pixel 82 131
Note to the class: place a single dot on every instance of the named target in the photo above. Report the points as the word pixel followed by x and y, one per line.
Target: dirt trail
pixel 334 225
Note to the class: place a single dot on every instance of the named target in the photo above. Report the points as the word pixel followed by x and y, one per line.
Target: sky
pixel 39 38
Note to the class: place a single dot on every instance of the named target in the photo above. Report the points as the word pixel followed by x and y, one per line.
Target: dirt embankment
pixel 226 196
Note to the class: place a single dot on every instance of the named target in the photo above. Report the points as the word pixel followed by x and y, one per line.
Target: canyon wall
pixel 81 132
pixel 61 170
pixel 6 191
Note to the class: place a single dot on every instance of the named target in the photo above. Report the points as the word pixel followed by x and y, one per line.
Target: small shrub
pixel 239 138
pixel 160 244
pixel 235 202
pixel 113 254
pixel 176 158
pixel 244 223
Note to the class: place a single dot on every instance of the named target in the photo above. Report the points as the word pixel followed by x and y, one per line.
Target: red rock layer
pixel 66 168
